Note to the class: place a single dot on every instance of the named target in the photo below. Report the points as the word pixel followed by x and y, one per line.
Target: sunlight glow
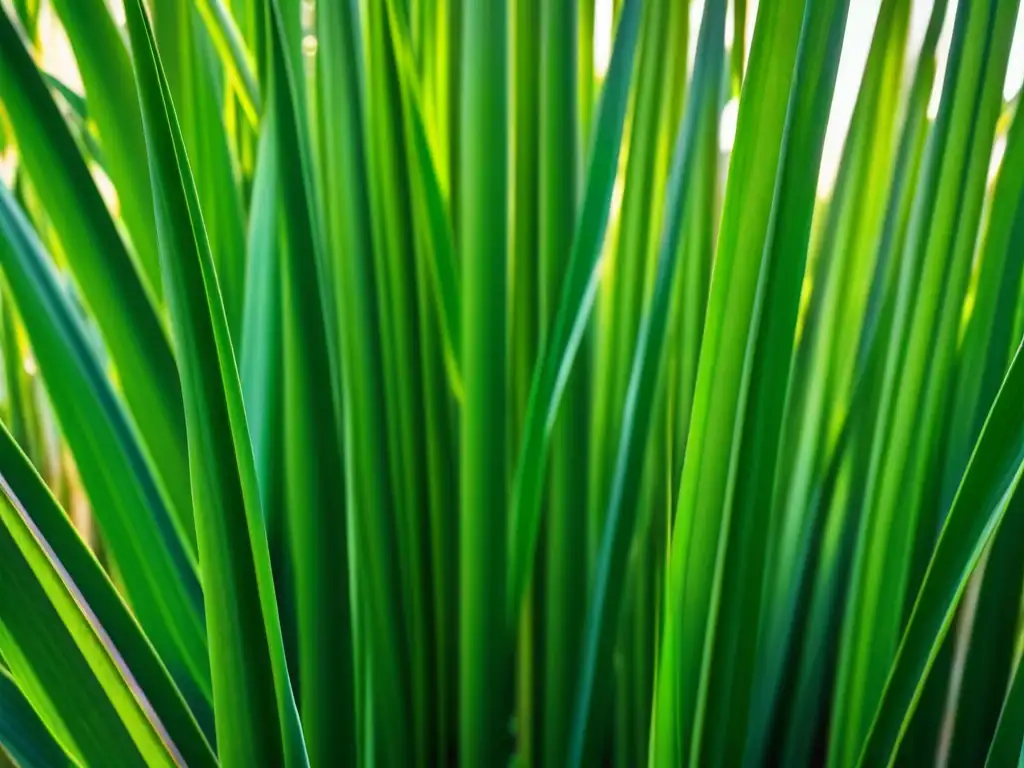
pixel 117 11
pixel 998 150
pixel 727 125
pixel 942 56
pixel 57 56
pixel 1015 69
pixel 8 165
pixel 696 14
pixel 856 45
pixel 602 37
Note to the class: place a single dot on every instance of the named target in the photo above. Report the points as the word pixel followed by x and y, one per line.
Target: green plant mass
pixel 511 383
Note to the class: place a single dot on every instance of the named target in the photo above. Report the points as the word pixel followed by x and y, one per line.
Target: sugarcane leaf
pixel 769 349
pixel 194 78
pixel 132 330
pixel 442 266
pixel 986 351
pixel 259 355
pixel 75 101
pixel 439 377
pixel 921 345
pixel 110 87
pixel 988 341
pixel 801 513
pixel 694 146
pixel 704 512
pixel 346 194
pixel 246 649
pixel 482 227
pixel 234 54
pixel 160 577
pixel 56 675
pixel 78 118
pixel 73 646
pixel 392 209
pixel 580 287
pixel 315 492
pixel 990 481
pixel 553 187
pixel 18 414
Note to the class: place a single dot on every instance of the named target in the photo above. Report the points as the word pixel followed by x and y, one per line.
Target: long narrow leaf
pixel 694 139
pixel 992 476
pixel 112 289
pixel 160 577
pixel 72 645
pixel 483 499
pixel 241 612
pixel 556 360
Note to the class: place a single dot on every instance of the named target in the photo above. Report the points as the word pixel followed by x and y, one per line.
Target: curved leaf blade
pixel 255 712
pixel 123 309
pixel 988 485
pixel 1005 749
pixel 71 643
pixel 106 72
pixel 160 578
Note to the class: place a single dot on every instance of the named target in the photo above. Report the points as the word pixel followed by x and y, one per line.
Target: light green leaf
pixel 72 646
pixel 106 71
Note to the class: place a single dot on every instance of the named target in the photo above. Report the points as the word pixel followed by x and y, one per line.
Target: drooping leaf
pixel 72 645
pixel 160 577
pixel 120 303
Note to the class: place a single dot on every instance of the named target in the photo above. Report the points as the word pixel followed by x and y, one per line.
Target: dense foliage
pixel 384 385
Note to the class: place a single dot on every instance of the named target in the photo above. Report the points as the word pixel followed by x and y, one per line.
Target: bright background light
pixel 856 45
pixel 58 59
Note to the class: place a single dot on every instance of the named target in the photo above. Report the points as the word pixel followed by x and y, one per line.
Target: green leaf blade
pixel 121 305
pixel 160 576
pixel 483 523
pixel 255 712
pixel 71 643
